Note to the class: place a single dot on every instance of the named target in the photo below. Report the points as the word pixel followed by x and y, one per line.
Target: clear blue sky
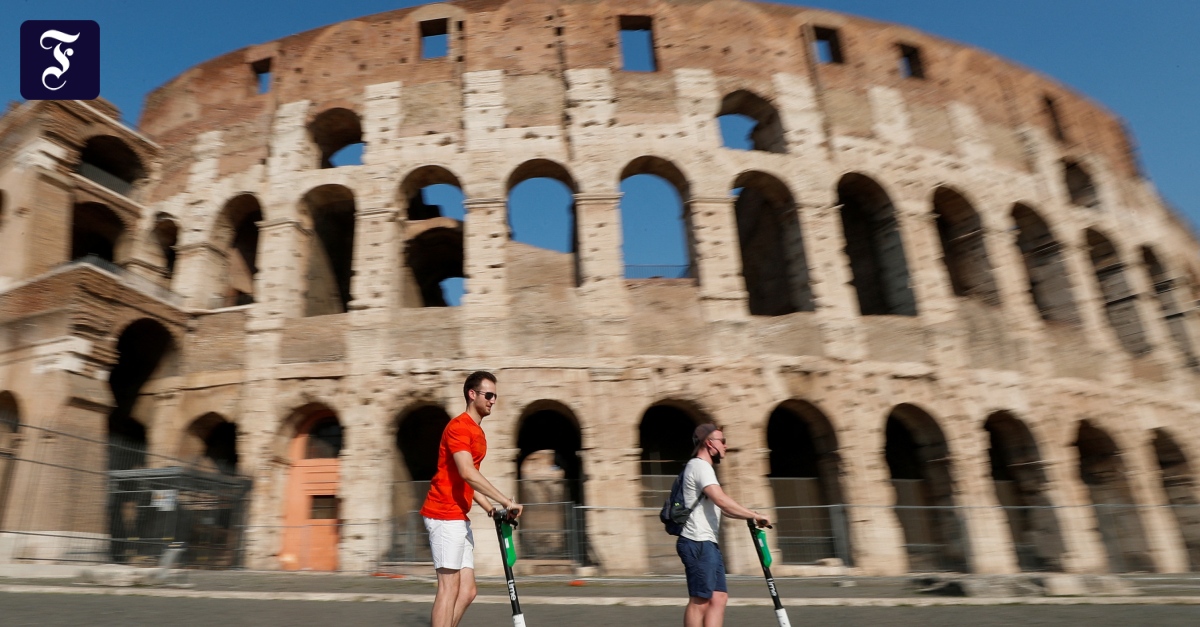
pixel 1140 59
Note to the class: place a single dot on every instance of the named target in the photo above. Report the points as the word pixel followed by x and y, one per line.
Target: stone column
pixel 602 272
pixel 717 258
pixel 876 539
pixel 1163 535
pixel 1082 274
pixel 281 283
pixel 374 259
pixel 200 270
pixel 1083 546
pixel 363 479
pixel 486 300
pixel 990 548
pixel 830 279
pixel 614 525
pixel 51 210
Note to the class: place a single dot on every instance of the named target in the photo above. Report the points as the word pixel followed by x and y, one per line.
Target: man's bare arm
pixel 731 509
pixel 475 479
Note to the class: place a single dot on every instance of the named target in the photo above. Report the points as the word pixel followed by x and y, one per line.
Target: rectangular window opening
pixel 435 38
pixel 262 69
pixel 828 45
pixel 324 507
pixel 1055 122
pixel 910 62
pixel 637 43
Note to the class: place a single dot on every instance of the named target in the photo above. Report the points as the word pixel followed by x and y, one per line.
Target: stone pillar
pixel 990 548
pixel 876 539
pixel 602 272
pixel 717 258
pixel 1016 300
pixel 1083 546
pixel 1082 274
pixel 51 212
pixel 614 525
pixel 364 484
pixel 485 302
pixel 830 280
pixel 1163 535
pixel 374 257
pixel 281 283
pixel 200 275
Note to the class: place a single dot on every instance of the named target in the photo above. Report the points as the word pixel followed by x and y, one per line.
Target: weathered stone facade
pixel 951 274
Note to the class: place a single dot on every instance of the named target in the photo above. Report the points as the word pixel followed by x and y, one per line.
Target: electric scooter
pixel 508 554
pixel 764 558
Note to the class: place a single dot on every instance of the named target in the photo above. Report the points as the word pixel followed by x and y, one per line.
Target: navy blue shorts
pixel 703 565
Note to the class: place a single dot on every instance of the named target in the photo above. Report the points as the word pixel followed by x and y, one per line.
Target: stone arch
pixel 1019 478
pixel 1174 315
pixel 166 236
pixel 1044 265
pixel 805 465
pixel 1103 472
pixel 543 236
pixel 433 256
pixel 332 130
pixel 312 499
pixel 432 266
pixel 1179 483
pixel 1120 301
pixel 211 441
pixel 145 350
pixel 918 459
pixel 409 194
pixel 665 441
pixel 331 211
pixel 875 248
pixel 767 133
pixel 10 428
pixel 97 231
pixel 418 437
pixel 1081 190
pixel 774 263
pixel 236 235
pixel 645 221
pixel 550 480
pixel 964 250
pixel 110 161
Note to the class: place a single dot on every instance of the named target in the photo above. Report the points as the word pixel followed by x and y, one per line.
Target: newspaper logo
pixel 60 60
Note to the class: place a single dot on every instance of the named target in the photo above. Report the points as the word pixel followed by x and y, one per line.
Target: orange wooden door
pixel 310 538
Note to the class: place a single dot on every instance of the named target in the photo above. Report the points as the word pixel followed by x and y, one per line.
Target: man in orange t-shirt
pixel 455 484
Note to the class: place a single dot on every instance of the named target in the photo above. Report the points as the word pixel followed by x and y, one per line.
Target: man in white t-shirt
pixel 697 545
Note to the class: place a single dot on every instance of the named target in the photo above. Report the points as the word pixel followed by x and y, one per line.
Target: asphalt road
pixel 57 610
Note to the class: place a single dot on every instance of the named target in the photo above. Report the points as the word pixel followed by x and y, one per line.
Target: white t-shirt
pixel 705 520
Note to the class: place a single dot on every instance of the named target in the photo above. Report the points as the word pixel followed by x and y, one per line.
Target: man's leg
pixel 714 614
pixel 693 615
pixel 446 597
pixel 466 593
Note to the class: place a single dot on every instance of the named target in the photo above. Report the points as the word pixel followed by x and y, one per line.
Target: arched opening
pixel 1080 189
pixel 337 133
pixel 211 442
pixel 1120 301
pixel 331 250
pixel 805 466
pixel 1048 282
pixel 112 163
pixel 550 483
pixel 919 461
pixel 875 249
pixel 749 122
pixel 166 234
pixel 418 436
pixel 1020 481
pixel 145 350
pixel 774 265
pixel 312 506
pixel 433 271
pixel 237 236
pixel 1173 314
pixel 963 248
pixel 1103 472
pixel 656 240
pixel 95 231
pixel 665 437
pixel 10 425
pixel 1180 486
pixel 541 217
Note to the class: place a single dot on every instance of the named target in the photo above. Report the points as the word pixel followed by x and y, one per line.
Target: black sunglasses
pixel 488 395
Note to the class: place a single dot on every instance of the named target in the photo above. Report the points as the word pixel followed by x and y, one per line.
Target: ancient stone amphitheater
pixel 944 318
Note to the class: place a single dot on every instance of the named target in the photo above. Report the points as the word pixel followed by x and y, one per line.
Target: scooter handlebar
pixel 500 514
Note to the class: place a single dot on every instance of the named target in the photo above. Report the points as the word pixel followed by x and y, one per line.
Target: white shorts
pixel 452 543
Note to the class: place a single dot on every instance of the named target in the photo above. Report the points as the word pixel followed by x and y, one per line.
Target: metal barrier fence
pixel 75 499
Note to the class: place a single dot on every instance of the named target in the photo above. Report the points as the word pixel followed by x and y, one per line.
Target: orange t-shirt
pixel 449 495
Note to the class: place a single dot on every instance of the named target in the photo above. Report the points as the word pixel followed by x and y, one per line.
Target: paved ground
pixel 71 610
